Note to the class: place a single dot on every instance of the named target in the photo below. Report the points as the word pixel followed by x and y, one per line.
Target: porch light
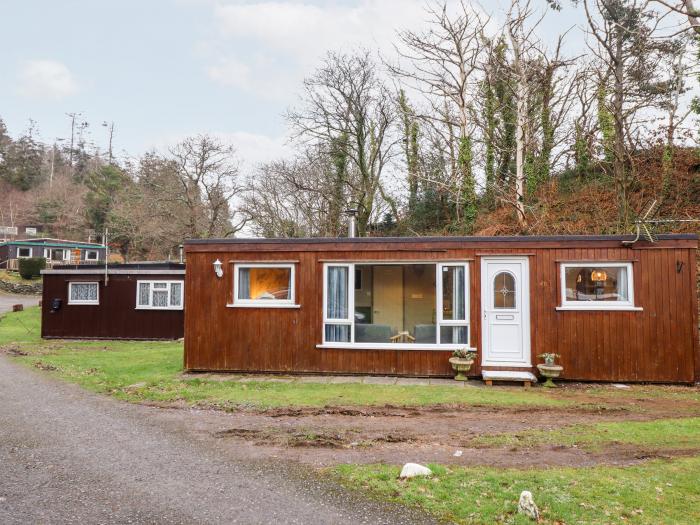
pixel 218 269
pixel 599 276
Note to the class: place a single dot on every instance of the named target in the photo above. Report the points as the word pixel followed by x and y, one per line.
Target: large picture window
pixel 83 293
pixel 159 295
pixel 597 286
pixel 413 305
pixel 263 285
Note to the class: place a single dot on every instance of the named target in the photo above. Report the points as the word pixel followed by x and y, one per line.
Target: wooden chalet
pixel 55 251
pixel 117 301
pixel 399 306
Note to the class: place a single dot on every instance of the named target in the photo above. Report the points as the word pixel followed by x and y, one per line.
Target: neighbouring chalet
pixel 55 251
pixel 399 306
pixel 120 301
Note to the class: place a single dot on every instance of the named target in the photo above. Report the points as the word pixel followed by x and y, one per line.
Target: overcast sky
pixel 165 69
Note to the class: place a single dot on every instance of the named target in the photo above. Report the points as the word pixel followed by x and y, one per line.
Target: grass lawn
pixel 660 433
pixel 151 371
pixel 656 492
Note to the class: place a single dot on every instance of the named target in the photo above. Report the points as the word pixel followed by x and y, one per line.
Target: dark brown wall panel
pixel 658 343
pixel 115 317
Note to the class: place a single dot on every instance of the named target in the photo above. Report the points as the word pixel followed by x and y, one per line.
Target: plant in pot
pixel 549 369
pixel 462 360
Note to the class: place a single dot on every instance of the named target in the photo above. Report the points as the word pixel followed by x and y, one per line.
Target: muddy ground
pixel 333 435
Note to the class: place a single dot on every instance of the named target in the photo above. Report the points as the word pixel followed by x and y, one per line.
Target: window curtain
pixel 337 304
pixel 83 292
pixel 622 292
pixel 176 294
pixel 244 283
pixel 144 294
pixel 337 291
pixel 458 295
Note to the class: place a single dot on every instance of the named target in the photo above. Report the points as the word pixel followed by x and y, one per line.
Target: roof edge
pixel 503 238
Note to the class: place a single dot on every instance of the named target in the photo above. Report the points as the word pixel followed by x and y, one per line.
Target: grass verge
pixel 681 433
pixel 151 372
pixel 657 492
pixel 14 277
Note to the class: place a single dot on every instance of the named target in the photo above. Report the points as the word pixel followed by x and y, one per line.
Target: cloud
pixel 267 47
pixel 230 72
pixel 254 149
pixel 46 79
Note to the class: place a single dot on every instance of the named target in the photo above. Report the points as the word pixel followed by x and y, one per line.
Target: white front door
pixel 505 312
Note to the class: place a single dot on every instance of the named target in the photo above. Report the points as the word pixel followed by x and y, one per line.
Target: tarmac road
pixel 70 456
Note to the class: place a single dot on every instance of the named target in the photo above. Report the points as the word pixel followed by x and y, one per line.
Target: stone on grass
pixel 411 470
pixel 527 506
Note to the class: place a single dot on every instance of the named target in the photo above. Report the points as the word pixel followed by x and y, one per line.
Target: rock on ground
pixel 411 470
pixel 527 505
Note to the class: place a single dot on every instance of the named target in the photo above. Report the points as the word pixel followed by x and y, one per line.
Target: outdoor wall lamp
pixel 218 269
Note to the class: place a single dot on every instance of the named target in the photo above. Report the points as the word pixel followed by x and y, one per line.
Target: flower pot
pixel 461 366
pixel 550 372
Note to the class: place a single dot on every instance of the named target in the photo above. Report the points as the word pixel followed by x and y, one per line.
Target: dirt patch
pixel 13 351
pixel 331 435
pixel 290 437
pixel 45 366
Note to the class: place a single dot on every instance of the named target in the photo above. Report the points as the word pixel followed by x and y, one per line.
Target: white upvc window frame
pixel 19 256
pixel 169 284
pixel 438 290
pixel 83 303
pixel 265 303
pixel 87 255
pixel 439 265
pixel 349 321
pixel 566 304
pixel 66 254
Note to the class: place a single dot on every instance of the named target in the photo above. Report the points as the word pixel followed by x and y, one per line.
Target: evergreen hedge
pixel 31 267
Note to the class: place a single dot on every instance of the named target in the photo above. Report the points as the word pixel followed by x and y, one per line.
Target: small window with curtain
pixel 80 293
pixel 159 295
pixel 264 285
pixel 597 286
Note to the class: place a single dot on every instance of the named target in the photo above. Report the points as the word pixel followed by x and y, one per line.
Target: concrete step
pixel 527 378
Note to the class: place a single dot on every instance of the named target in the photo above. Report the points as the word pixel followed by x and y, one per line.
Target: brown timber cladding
pixel 659 343
pixel 116 317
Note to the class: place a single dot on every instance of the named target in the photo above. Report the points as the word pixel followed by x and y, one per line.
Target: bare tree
pixel 623 43
pixel 442 64
pixel 348 113
pixel 521 41
pixel 296 198
pixel 207 182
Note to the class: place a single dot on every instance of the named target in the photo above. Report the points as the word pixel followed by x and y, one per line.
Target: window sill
pixel 158 308
pixel 392 346
pixel 263 306
pixel 600 308
pixel 83 304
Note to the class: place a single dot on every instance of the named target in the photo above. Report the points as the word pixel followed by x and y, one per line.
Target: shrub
pixel 31 267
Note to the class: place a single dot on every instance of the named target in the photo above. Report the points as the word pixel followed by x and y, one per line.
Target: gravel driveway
pixel 70 456
pixel 7 300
